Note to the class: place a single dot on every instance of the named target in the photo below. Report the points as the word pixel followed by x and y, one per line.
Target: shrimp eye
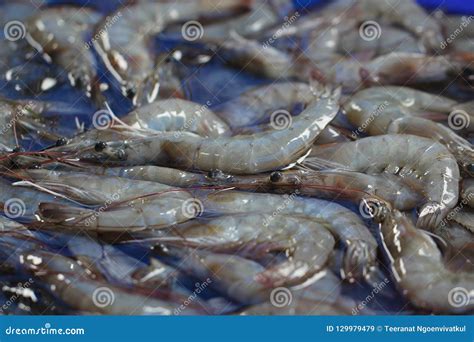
pixel 17 149
pixel 130 93
pixel 61 141
pixel 275 176
pixel 100 146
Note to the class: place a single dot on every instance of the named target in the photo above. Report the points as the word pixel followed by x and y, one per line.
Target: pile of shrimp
pixel 340 183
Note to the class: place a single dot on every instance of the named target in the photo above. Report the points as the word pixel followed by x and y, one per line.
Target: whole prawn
pixel 419 160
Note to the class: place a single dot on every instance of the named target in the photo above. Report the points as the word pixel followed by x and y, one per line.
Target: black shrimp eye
pixel 100 146
pixel 130 93
pixel 61 141
pixel 275 176
pixel 17 149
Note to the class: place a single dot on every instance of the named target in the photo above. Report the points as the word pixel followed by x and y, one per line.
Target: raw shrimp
pixel 60 33
pixel 418 268
pixel 255 105
pixel 125 48
pixel 381 110
pixel 129 215
pixel 257 153
pixel 457 246
pixel 409 15
pixel 71 282
pixel 419 160
pixel 346 226
pixel 177 115
pixel 92 190
pixel 267 61
pixel 307 244
pixel 322 296
pixel 232 275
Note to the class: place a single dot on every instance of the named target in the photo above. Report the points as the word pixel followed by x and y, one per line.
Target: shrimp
pixel 123 216
pixel 457 246
pixel 346 226
pixel 381 110
pixel 125 48
pixel 333 184
pixel 94 190
pixel 255 105
pixel 419 160
pixel 409 15
pixel 59 33
pixel 306 243
pixel 71 283
pixel 231 275
pixel 267 61
pixel 177 115
pixel 418 268
pixel 322 296
pixel 260 152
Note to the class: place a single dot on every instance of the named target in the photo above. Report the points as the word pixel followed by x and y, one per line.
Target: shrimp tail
pixel 60 213
pixel 431 215
pixel 358 260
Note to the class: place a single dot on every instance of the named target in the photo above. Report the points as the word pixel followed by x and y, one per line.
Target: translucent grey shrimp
pixel 321 296
pixel 60 33
pixel 381 110
pixel 307 244
pixel 345 225
pixel 267 61
pixel 92 189
pixel 177 115
pixel 260 152
pixel 125 48
pixel 419 160
pixel 418 268
pixel 73 284
pixel 255 105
